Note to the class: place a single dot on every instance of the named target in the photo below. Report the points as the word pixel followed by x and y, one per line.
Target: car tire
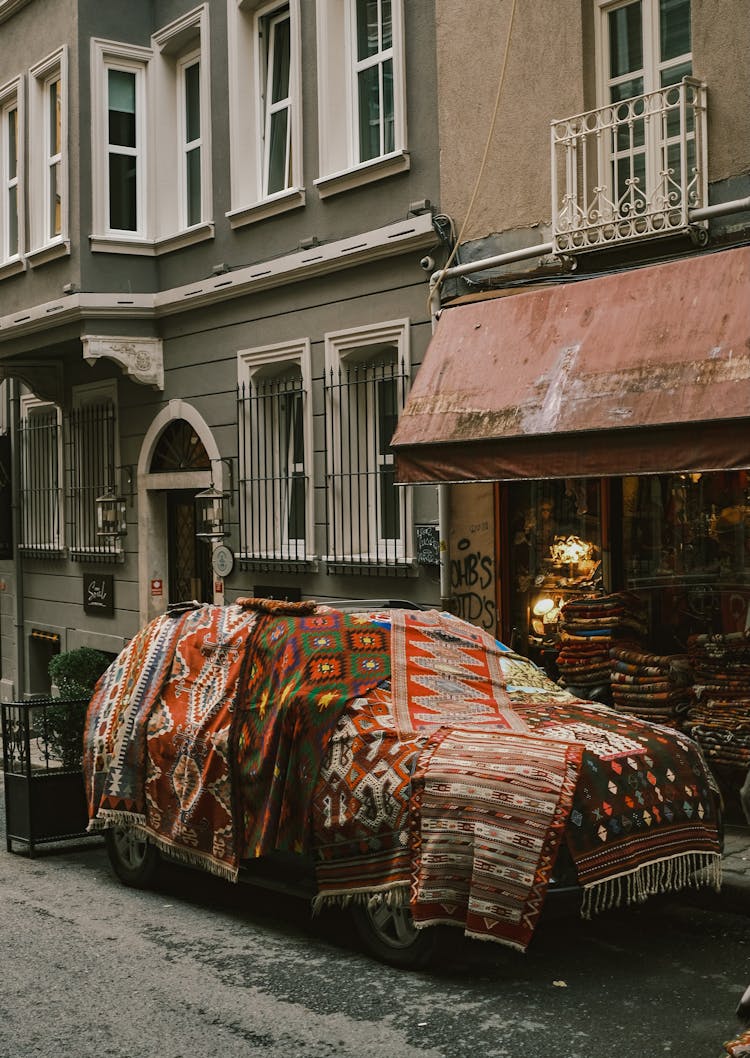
pixel 134 859
pixel 389 934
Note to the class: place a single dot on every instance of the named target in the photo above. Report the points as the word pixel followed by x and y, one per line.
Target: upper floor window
pixel 144 96
pixel 275 448
pixel 646 45
pixel 361 73
pixel 265 109
pixel 367 378
pixel 48 169
pixel 11 161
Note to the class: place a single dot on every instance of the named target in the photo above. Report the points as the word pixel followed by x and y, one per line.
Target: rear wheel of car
pixel 134 859
pixel 388 933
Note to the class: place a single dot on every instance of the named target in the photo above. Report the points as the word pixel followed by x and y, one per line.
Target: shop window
pixel 686 550
pixel 555 547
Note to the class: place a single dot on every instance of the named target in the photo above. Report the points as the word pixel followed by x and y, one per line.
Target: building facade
pixel 212 230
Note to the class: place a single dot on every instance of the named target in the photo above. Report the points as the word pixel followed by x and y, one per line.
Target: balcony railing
pixel 631 170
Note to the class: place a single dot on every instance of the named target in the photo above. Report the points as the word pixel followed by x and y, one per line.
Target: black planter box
pixel 43 776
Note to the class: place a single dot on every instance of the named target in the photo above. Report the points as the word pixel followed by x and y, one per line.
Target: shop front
pixel 612 415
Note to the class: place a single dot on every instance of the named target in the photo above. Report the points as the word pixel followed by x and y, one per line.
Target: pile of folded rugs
pixel 589 628
pixel 719 718
pixel 655 687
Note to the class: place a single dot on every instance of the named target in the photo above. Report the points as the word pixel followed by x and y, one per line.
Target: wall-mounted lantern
pixel 210 508
pixel 111 508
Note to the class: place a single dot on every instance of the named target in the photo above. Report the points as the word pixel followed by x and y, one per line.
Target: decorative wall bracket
pixel 142 359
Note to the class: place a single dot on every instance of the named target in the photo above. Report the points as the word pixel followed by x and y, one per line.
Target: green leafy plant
pixel 75 673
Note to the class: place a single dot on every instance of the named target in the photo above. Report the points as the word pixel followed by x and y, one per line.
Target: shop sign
pixel 157 587
pixel 99 594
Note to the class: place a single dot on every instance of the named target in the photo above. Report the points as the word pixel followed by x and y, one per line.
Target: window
pixel 369 517
pixel 93 466
pixel 11 188
pixel 361 61
pixel 265 110
pixel 41 476
pixel 645 45
pixel 275 444
pixel 152 202
pixel 48 169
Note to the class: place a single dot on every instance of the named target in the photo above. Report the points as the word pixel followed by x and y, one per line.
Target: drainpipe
pixel 737 205
pixel 15 503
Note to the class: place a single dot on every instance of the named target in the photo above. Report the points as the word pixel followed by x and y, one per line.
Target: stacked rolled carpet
pixel 656 687
pixel 719 718
pixel 589 627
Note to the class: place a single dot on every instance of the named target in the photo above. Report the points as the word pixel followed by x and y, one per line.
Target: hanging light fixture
pixel 210 518
pixel 111 508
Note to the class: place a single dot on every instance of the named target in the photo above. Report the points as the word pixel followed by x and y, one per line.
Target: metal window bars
pixel 92 473
pixel 40 487
pixel 273 479
pixel 367 514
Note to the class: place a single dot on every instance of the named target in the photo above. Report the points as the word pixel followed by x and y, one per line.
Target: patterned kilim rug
pixel 643 819
pixel 189 771
pixel 304 671
pixel 115 743
pixel 740 1047
pixel 489 810
pixel 446 672
pixel 361 805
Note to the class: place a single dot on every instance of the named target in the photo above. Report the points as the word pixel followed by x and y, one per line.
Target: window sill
pixel 367 173
pixel 151 247
pixel 50 252
pixel 284 201
pixel 12 268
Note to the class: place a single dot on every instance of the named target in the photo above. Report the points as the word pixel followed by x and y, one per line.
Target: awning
pixel 645 371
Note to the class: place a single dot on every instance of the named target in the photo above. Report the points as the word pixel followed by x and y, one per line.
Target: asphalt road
pixel 200 968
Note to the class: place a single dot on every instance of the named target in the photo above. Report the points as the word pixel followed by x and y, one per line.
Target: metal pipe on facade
pixel 737 205
pixel 15 503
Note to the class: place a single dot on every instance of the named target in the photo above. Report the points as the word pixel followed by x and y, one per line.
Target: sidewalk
pixel 735 887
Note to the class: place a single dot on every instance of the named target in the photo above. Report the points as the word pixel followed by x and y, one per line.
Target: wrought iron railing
pixel 275 531
pixel 41 492
pixel 92 473
pixel 630 170
pixel 369 517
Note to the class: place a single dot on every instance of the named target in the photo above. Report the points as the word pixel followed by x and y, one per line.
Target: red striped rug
pixel 489 809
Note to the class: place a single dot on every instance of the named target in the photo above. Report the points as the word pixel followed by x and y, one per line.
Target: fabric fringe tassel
pixel 108 817
pixel 393 895
pixel 690 869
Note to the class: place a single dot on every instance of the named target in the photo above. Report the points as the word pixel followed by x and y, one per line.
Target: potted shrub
pixel 74 674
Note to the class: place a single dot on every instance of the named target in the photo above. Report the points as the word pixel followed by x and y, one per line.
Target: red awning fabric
pixel 646 371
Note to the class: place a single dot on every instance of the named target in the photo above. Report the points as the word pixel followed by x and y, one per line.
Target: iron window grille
pixel 274 483
pixel 92 473
pixel 368 516
pixel 40 445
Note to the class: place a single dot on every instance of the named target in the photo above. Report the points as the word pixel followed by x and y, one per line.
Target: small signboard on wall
pixel 99 594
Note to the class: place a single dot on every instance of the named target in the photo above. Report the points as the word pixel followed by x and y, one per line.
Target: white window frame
pixel 187 146
pixel 265 361
pixel 28 404
pixel 160 135
pixel 338 67
pixel 45 244
pixel 363 345
pixel 177 46
pixel 12 98
pixel 650 73
pixel 248 66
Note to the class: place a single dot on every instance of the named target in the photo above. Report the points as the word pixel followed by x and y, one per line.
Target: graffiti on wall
pixel 472 560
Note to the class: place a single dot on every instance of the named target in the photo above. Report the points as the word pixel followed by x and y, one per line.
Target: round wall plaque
pixel 222 560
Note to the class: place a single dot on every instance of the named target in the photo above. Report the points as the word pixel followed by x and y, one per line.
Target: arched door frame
pixel 153 562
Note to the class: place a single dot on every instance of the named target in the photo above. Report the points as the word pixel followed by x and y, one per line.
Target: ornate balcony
pixel 631 170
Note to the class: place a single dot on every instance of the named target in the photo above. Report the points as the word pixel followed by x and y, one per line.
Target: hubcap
pixel 394 925
pixel 131 848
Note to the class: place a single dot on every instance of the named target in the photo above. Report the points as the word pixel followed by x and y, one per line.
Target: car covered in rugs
pixel 400 763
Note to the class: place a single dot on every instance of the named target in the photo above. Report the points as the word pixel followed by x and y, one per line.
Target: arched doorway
pixel 179 458
pixel 180 450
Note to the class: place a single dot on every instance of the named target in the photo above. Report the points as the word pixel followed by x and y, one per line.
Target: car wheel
pixel 388 933
pixel 134 859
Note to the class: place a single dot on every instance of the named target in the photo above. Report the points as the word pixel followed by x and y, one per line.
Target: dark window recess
pixel 367 528
pixel 92 473
pixel 273 477
pixel 179 448
pixel 39 443
pixel 6 521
